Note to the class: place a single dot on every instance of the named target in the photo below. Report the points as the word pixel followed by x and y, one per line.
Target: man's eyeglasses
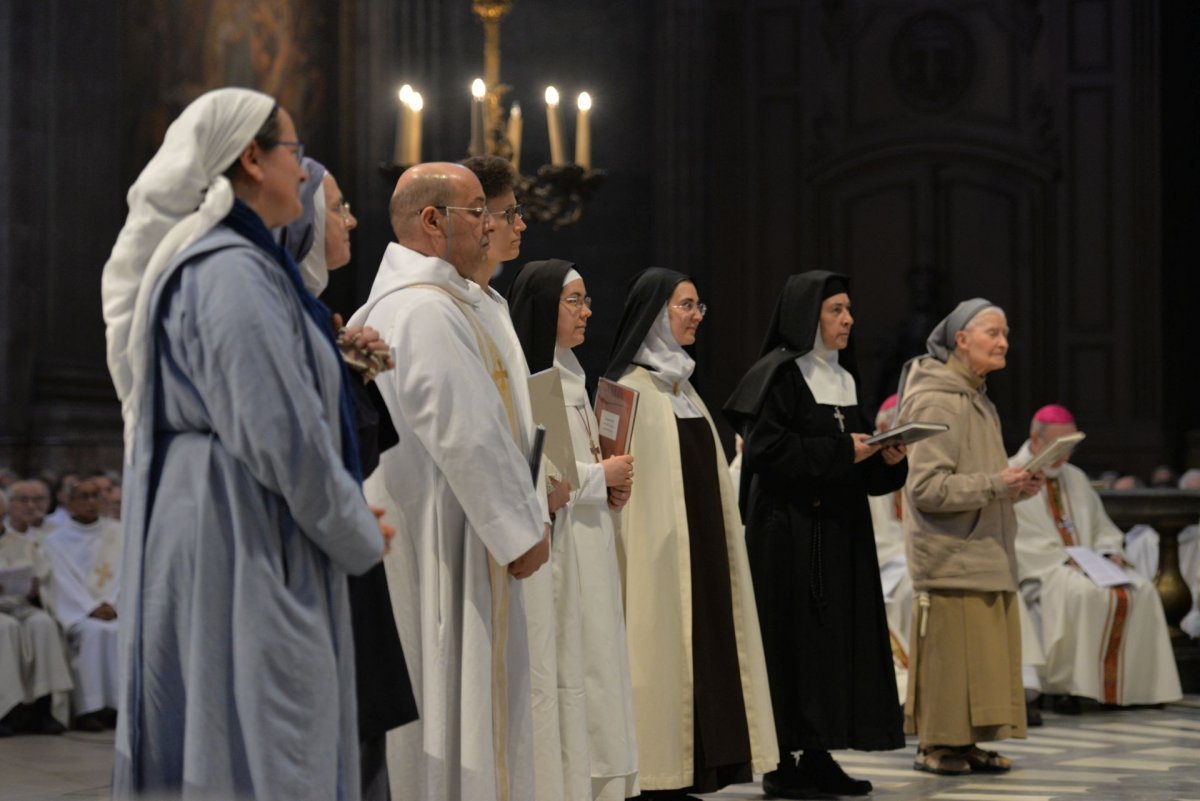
pixel 478 212
pixel 687 307
pixel 577 304
pixel 343 208
pixel 511 213
pixel 297 148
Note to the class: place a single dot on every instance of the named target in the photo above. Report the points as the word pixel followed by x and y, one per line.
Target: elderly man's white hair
pixel 1190 480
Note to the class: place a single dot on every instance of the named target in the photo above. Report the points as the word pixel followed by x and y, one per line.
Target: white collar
pixel 830 383
pixel 574 380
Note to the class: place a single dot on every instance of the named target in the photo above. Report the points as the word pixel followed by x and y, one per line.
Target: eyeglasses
pixel 29 499
pixel 297 148
pixel 342 207
pixel 478 212
pixel 687 307
pixel 577 304
pixel 511 213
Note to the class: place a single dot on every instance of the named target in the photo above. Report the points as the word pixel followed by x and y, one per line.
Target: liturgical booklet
pixel 907 433
pixel 616 410
pixel 550 410
pixel 1103 572
pixel 16 581
pixel 1055 451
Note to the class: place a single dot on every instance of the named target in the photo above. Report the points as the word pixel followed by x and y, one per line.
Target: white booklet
pixel 1102 571
pixel 16 581
pixel 1055 451
pixel 907 433
pixel 550 410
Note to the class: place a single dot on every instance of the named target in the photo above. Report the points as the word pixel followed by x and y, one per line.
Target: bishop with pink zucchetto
pixel 1109 644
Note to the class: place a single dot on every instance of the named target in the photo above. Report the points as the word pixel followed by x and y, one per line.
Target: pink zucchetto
pixel 1054 415
pixel 891 401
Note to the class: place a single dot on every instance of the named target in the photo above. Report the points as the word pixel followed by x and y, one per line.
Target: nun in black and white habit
pixel 700 692
pixel 805 481
pixel 548 303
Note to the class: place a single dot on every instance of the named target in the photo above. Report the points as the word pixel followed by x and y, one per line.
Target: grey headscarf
pixel 941 342
pixel 304 237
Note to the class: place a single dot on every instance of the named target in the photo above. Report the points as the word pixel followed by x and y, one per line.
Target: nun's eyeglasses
pixel 297 148
pixel 343 208
pixel 687 307
pixel 577 304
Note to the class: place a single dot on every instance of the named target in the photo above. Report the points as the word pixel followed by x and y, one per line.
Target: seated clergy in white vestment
pixel 84 553
pixel 33 664
pixel 886 513
pixel 1105 643
pixel 1141 547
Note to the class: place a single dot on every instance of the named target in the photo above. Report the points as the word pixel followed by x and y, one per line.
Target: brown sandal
pixel 986 761
pixel 943 760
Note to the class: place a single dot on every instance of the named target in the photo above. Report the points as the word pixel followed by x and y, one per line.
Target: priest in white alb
pixel 1109 644
pixel 459 485
pixel 84 554
pixel 559 776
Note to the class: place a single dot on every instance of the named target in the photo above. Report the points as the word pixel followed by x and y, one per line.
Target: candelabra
pixel 557 192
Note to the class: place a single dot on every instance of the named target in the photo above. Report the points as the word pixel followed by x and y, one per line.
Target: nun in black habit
pixel 700 692
pixel 806 475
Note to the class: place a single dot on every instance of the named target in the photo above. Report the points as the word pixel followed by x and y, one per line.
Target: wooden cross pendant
pixel 841 418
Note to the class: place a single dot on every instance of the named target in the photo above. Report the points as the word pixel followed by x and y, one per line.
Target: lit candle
pixel 514 134
pixel 583 132
pixel 401 148
pixel 478 92
pixel 557 155
pixel 415 104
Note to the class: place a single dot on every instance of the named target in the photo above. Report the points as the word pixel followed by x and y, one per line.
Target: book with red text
pixel 616 409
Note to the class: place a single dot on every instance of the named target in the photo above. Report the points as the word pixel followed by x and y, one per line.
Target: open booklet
pixel 1102 571
pixel 907 433
pixel 1055 451
pixel 16 581
pixel 550 410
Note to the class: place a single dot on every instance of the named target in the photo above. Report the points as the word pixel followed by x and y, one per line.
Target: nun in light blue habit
pixel 243 512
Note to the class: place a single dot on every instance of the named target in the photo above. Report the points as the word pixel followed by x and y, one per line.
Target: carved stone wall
pixel 940 151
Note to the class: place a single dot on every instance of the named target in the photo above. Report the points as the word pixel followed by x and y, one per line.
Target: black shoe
pixel 775 785
pixel 90 722
pixel 6 730
pixel 108 717
pixel 826 776
pixel 47 724
pixel 1067 705
pixel 1033 716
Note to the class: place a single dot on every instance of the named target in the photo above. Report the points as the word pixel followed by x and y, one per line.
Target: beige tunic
pixel 658 592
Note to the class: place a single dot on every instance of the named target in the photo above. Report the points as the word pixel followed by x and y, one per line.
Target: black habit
pixel 811 543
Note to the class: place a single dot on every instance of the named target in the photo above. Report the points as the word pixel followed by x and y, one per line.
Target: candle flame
pixel 551 96
pixel 478 88
pixel 515 111
pixel 415 102
pixel 585 101
pixel 406 93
